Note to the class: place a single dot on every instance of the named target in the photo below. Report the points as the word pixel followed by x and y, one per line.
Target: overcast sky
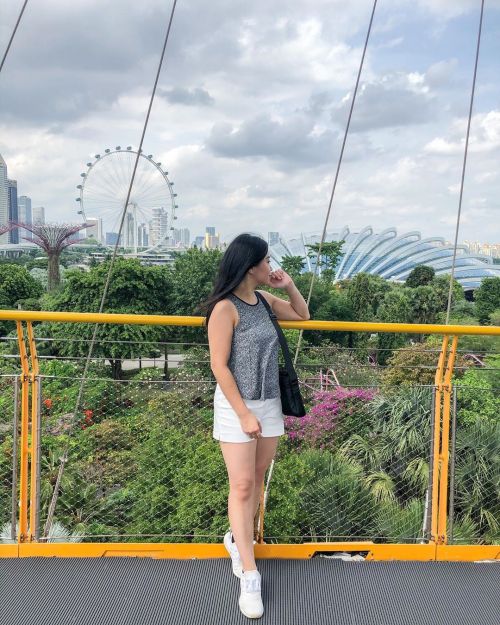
pixel 251 108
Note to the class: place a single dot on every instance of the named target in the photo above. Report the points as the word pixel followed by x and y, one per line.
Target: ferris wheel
pixel 148 222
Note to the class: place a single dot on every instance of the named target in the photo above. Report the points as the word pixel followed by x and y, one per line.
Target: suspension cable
pixel 13 34
pixel 448 308
pixel 108 277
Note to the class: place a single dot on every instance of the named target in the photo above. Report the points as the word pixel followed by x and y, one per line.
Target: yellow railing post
pixel 438 381
pixel 24 438
pixel 445 446
pixel 35 442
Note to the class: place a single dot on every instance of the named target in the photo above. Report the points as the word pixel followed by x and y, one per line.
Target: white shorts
pixel 227 425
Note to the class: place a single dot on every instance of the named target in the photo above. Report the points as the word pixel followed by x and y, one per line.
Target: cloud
pixel 252 102
pixel 390 102
pixel 484 136
pixel 189 97
pixel 292 140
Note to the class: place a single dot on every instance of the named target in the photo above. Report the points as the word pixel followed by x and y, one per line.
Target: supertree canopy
pixel 53 239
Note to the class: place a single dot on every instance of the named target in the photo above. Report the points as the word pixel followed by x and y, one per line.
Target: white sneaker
pixel 232 549
pixel 250 600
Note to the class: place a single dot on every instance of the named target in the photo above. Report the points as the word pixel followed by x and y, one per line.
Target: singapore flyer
pixel 150 215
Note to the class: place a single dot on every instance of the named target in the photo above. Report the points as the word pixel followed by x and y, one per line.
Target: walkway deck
pixel 133 591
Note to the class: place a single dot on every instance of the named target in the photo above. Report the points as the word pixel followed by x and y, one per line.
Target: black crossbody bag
pixel 291 399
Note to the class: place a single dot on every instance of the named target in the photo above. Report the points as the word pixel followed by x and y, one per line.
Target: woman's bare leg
pixel 266 450
pixel 240 464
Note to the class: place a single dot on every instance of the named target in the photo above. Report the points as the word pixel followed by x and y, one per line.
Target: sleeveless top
pixel 254 351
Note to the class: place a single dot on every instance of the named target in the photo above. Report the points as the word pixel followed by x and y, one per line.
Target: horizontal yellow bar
pixel 179 320
pixel 202 550
pixel 468 552
pixel 181 551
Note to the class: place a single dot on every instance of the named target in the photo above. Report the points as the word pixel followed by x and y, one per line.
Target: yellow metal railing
pixel 30 431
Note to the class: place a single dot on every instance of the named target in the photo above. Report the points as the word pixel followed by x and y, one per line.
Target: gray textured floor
pixel 101 591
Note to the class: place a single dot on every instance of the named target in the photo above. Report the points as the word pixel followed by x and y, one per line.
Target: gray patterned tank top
pixel 254 351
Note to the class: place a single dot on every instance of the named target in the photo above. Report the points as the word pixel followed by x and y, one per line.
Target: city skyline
pixel 253 145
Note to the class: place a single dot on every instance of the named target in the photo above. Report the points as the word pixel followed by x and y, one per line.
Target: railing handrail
pixel 185 320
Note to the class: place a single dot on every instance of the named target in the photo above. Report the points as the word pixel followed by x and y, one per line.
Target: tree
pixel 420 275
pixel 442 286
pixel 16 286
pixel 331 251
pixel 365 292
pixel 53 239
pixel 395 308
pixel 134 289
pixel 487 298
pixel 425 304
pixel 293 265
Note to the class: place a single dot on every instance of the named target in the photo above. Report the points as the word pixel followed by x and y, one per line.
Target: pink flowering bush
pixel 335 416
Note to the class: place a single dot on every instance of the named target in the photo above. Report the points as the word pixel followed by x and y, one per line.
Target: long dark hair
pixel 244 251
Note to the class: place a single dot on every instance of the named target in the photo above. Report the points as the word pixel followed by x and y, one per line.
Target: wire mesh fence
pixel 138 463
pixel 9 435
pixel 474 511
pixel 142 464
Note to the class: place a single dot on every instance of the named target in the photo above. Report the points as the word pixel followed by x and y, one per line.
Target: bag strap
pixel 282 338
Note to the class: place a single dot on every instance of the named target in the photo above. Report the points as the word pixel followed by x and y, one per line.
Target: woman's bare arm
pixel 220 333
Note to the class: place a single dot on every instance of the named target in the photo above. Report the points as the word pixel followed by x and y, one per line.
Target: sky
pixel 251 108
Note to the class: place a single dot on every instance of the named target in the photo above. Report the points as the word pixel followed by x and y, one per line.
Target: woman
pixel 248 418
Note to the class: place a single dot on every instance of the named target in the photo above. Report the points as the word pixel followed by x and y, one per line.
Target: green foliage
pixel 420 275
pixel 292 265
pixel 478 393
pixel 285 515
pixel 338 502
pixel 477 470
pixel 416 364
pixel 331 252
pixel 365 292
pixel 16 284
pixel 487 299
pixel 398 524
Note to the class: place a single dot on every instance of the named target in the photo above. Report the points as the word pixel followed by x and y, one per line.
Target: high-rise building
pixel 199 241
pixel 4 199
pixel 142 235
pixel 24 211
pixel 211 241
pixel 210 230
pixel 13 211
pixel 181 237
pixel 38 213
pixel 111 238
pixel 158 226
pixel 95 229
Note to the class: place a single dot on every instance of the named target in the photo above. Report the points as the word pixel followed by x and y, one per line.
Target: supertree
pixel 53 239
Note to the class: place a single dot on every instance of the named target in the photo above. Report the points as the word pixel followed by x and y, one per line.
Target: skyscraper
pixel 95 229
pixel 181 236
pixel 24 211
pixel 38 214
pixel 13 212
pixel 158 225
pixel 4 199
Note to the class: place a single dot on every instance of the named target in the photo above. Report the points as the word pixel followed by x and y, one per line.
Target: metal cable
pixel 106 286
pixel 13 34
pixel 448 308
